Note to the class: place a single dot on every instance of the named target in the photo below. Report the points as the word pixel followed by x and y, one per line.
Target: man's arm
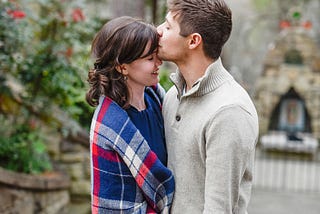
pixel 230 143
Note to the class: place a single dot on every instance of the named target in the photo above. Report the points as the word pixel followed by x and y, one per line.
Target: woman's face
pixel 143 71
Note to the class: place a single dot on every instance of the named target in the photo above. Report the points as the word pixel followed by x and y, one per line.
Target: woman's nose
pixel 158 61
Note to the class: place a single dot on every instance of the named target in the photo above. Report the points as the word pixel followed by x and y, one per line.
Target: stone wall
pixel 278 76
pixel 68 147
pixel 29 194
pixel 45 193
pixel 71 154
pixel 75 160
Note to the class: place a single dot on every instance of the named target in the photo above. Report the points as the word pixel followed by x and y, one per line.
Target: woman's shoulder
pixel 108 110
pixel 156 92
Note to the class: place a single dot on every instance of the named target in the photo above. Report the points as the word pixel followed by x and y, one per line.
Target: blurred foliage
pixel 44 48
pixel 23 149
pixel 164 79
pixel 47 50
pixel 261 5
pixel 45 57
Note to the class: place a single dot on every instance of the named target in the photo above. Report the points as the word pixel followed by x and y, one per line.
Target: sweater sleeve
pixel 230 144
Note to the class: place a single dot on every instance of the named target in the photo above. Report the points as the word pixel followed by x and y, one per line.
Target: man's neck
pixel 194 69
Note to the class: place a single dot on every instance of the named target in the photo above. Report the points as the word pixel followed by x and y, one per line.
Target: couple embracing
pixel 190 150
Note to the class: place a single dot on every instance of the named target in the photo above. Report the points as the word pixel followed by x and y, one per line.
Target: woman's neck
pixel 137 98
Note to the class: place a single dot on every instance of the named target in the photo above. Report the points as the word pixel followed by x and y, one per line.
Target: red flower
pixel 69 52
pixel 16 14
pixel 285 24
pixel 77 15
pixel 307 25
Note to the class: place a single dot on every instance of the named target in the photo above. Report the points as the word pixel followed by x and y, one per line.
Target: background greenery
pixel 45 57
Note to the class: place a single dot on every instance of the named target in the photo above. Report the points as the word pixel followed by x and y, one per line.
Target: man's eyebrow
pixel 174 16
pixel 167 21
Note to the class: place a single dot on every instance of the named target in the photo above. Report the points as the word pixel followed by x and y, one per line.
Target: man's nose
pixel 159 30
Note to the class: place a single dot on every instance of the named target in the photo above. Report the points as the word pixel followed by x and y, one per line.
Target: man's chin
pixel 162 56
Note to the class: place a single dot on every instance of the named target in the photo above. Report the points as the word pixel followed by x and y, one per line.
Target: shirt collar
pixel 214 76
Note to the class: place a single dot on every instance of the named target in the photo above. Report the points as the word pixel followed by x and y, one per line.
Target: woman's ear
pixel 122 69
pixel 195 40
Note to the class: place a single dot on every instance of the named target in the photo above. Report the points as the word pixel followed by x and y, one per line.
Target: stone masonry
pixel 279 74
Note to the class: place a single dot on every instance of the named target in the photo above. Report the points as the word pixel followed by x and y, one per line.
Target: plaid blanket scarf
pixel 127 177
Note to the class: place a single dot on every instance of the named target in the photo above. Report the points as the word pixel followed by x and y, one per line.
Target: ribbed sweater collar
pixel 214 76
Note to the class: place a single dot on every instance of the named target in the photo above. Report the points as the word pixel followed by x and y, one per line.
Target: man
pixel 211 123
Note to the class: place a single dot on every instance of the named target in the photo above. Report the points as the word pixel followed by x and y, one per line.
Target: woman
pixel 128 154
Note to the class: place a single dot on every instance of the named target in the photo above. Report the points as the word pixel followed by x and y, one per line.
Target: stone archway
pixel 291 62
pixel 288 93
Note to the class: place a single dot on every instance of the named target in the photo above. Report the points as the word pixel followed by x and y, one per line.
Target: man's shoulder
pixel 171 93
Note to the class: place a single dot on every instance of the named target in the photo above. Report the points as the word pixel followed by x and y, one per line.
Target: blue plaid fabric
pixel 127 177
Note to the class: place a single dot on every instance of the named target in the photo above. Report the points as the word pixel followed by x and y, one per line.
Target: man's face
pixel 172 45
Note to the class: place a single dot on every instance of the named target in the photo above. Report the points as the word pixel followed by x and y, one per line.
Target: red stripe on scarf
pixel 104 107
pixel 145 167
pixel 94 148
pixel 111 156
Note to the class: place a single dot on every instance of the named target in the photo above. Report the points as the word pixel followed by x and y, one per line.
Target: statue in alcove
pixel 290 126
pixel 292 118
pixel 290 114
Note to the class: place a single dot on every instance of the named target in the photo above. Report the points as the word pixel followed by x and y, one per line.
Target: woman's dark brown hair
pixel 121 40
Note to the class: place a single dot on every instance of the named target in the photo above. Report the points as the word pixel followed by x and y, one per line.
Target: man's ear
pixel 195 40
pixel 122 69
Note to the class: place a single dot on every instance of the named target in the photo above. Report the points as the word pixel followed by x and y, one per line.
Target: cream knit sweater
pixel 211 133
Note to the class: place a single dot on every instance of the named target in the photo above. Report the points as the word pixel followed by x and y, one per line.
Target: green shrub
pixel 23 150
pixel 45 45
pixel 164 79
pixel 44 48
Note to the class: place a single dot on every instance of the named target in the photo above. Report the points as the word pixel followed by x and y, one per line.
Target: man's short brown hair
pixel 212 19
